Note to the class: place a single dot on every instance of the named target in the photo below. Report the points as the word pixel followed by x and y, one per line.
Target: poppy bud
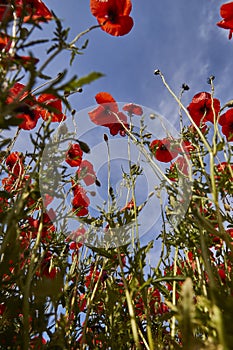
pixel 210 79
pixel 185 87
pixel 157 72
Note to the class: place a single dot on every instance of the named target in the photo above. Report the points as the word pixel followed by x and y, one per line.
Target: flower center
pixel 231 126
pixel 112 15
pixel 163 147
pixel 204 110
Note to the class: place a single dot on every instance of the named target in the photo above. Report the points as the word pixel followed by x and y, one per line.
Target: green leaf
pixel 101 252
pixel 87 79
pixel 84 46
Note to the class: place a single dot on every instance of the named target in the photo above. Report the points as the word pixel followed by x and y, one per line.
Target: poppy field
pixel 81 190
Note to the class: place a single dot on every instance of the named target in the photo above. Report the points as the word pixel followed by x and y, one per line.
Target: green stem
pixel 73 42
pixel 133 321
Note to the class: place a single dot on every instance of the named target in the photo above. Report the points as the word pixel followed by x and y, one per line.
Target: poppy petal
pixel 123 25
pixel 104 97
pixel 226 10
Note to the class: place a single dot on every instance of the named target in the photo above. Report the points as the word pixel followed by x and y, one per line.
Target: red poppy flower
pixel 86 173
pixel 52 102
pixel 186 147
pixel 74 155
pixel 36 10
pixel 222 273
pixel 47 200
pixel 224 169
pixel 92 277
pixel 5 42
pixel 29 231
pixel 27 110
pixel 131 108
pixel 113 15
pixel 48 227
pixel 47 269
pixel 80 201
pixel 226 12
pixel 129 205
pixel 14 163
pixel 226 121
pixel 162 150
pixel 230 232
pixel 179 166
pixel 203 108
pixel 78 238
pixel 104 114
pixel 107 114
pixel 25 61
pixel 32 10
pixel 13 183
pixel 117 126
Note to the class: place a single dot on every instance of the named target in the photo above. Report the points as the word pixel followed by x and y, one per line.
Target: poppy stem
pixel 83 33
pixel 158 72
pixel 156 169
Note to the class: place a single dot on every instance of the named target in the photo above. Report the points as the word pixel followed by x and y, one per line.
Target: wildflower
pixel 53 103
pixel 162 150
pixel 31 10
pixel 80 201
pixel 186 147
pixel 132 108
pixel 226 12
pixel 86 173
pixel 47 269
pixel 5 42
pixel 224 169
pixel 180 166
pixel 48 227
pixel 14 163
pixel 92 277
pixel 25 106
pixel 78 238
pixel 74 155
pixel 203 108
pixel 107 114
pixel 113 16
pixel 226 121
pixel 129 205
pixel 5 45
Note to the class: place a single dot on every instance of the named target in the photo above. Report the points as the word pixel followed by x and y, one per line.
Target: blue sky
pixel 178 37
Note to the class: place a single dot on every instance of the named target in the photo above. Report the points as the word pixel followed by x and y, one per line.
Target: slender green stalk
pixel 157 72
pixel 133 321
pixel 173 324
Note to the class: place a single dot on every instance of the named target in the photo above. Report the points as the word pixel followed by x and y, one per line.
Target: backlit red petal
pixel 101 8
pixel 121 27
pixel 132 108
pixel 104 97
pixel 99 116
pixel 226 10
